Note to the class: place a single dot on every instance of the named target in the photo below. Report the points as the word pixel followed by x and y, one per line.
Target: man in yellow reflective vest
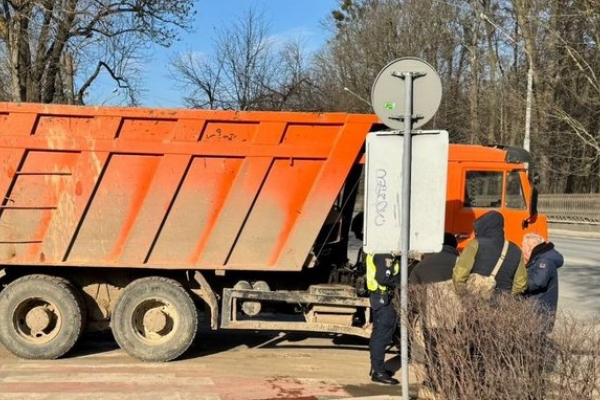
pixel 382 277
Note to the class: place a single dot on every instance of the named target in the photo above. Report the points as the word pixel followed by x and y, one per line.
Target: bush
pixel 475 349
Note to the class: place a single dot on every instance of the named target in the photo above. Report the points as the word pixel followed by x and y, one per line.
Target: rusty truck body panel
pixel 121 187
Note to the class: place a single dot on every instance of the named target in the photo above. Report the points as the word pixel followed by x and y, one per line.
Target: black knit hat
pixel 450 240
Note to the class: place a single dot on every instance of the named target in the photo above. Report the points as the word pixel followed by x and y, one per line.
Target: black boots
pixel 384 378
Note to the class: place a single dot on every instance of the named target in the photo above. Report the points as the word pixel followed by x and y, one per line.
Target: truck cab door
pixel 485 189
pixel 514 207
pixel 480 192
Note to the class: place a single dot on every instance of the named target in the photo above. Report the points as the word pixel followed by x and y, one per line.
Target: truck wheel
pixel 78 293
pixel 155 319
pixel 40 317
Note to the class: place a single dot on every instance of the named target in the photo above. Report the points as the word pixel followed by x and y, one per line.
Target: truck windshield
pixel 483 189
pixel 514 191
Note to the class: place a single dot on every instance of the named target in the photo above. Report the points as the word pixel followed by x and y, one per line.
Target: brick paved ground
pixel 240 366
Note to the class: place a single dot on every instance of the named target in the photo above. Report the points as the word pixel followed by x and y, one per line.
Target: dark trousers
pixel 385 321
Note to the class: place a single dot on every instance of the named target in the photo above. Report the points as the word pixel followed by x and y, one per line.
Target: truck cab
pixel 481 179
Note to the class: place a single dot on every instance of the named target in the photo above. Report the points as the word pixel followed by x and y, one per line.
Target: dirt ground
pixel 221 365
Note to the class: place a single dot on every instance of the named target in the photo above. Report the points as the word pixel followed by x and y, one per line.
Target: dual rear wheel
pixel 42 317
pixel 155 319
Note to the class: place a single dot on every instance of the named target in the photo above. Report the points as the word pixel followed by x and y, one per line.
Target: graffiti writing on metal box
pixel 381 192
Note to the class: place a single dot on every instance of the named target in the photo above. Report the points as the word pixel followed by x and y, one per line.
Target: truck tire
pixel 78 293
pixel 41 317
pixel 155 319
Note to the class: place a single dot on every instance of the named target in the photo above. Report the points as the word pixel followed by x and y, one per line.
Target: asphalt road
pixel 579 278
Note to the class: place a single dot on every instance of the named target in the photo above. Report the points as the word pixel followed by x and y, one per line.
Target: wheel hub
pixel 155 320
pixel 38 319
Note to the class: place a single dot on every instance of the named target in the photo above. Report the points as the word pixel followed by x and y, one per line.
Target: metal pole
pixel 405 244
pixel 526 140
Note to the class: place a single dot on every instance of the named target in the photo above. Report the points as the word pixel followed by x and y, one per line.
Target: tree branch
pixel 121 81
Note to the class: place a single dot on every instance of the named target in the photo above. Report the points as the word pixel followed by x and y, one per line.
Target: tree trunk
pixel 474 97
pixel 68 73
pixel 62 35
pixel 18 44
pixel 492 88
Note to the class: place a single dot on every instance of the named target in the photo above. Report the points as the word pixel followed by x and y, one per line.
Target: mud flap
pixel 206 293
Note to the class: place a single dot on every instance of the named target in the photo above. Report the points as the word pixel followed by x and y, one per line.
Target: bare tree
pixel 45 40
pixel 248 69
pixel 200 77
pixel 484 72
pixel 370 33
pixel 569 91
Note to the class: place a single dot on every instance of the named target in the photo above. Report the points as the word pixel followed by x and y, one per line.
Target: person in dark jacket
pixel 482 253
pixel 436 267
pixel 543 262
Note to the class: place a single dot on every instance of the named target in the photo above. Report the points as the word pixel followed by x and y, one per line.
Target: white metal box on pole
pixel 383 192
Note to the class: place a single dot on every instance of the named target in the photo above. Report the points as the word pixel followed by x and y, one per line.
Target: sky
pixel 287 19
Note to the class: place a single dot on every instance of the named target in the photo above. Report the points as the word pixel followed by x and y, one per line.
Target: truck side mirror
pixel 533 205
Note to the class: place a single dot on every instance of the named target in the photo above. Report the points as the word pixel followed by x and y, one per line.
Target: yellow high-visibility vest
pixel 372 283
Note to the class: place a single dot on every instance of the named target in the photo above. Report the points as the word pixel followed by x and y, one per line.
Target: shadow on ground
pixel 211 342
pixel 208 343
pixel 94 343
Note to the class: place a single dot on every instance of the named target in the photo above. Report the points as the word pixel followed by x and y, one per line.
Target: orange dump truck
pixel 135 219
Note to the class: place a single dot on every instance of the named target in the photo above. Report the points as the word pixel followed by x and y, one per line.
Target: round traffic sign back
pixel 388 95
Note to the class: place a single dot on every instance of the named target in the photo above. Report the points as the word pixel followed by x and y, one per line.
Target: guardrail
pixel 571 208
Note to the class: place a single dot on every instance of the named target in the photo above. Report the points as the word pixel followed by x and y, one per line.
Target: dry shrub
pixel 577 372
pixel 500 349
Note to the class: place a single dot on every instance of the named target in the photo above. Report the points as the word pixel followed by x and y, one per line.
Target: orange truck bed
pixel 123 187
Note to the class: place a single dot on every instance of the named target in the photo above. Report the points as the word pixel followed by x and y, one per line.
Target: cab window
pixel 514 192
pixel 483 189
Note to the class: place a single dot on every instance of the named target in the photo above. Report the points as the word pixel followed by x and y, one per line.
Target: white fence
pixel 571 208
